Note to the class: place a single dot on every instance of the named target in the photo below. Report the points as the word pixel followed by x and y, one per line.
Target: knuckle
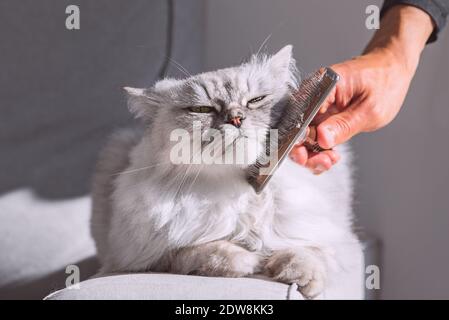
pixel 344 125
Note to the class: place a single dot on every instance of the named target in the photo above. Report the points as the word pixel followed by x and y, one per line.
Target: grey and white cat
pixel 150 214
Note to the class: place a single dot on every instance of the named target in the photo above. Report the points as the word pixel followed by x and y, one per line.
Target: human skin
pixel 372 86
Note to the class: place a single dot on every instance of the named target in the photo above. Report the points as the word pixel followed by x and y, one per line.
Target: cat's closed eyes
pixel 152 212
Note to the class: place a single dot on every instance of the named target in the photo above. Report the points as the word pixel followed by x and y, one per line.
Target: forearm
pixel 403 33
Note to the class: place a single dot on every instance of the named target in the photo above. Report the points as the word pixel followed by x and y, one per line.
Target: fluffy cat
pixel 150 214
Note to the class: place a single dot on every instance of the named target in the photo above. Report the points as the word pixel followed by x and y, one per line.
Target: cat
pixel 150 214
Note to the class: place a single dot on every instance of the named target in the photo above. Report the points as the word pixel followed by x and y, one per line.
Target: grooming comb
pixel 293 126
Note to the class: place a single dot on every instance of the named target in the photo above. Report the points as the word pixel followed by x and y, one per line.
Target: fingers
pixel 299 154
pixel 320 117
pixel 322 161
pixel 340 127
pixel 317 162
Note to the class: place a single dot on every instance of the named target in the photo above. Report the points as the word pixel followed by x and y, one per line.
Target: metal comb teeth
pixel 296 118
pixel 305 102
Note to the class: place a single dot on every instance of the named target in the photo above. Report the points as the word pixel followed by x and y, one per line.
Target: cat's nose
pixel 235 117
pixel 236 121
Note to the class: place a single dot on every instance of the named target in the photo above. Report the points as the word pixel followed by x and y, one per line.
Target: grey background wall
pixel 402 174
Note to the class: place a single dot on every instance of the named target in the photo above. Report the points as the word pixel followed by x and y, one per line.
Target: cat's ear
pixel 283 66
pixel 143 103
pixel 138 101
pixel 282 60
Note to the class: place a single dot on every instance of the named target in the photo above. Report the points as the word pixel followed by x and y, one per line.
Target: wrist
pixel 402 36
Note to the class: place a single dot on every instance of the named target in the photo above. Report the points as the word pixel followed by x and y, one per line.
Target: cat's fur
pixel 152 215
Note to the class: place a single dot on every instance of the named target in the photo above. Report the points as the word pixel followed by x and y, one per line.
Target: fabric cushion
pixel 170 286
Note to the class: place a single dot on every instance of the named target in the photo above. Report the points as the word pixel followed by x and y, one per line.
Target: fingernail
pixel 319 169
pixel 293 157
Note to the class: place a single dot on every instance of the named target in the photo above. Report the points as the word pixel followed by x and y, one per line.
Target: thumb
pixel 340 127
pixel 329 101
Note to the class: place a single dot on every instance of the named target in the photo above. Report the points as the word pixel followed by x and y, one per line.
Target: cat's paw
pixel 303 267
pixel 229 260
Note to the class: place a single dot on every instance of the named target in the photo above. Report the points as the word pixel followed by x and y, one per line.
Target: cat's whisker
pixel 139 169
pixel 175 179
pixel 188 169
pixel 180 67
pixel 269 36
pixel 194 179
pixel 169 186
pixel 264 43
pixel 183 180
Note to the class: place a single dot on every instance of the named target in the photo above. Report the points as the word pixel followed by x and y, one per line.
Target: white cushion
pixel 153 286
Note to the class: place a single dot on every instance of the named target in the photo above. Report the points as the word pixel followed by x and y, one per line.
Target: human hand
pixel 372 87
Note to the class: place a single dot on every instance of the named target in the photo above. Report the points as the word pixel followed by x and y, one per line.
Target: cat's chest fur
pixel 198 212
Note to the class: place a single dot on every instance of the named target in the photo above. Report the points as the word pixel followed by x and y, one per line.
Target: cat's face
pixel 236 106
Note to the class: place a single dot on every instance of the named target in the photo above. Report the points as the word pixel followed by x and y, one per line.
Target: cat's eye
pixel 202 109
pixel 257 99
